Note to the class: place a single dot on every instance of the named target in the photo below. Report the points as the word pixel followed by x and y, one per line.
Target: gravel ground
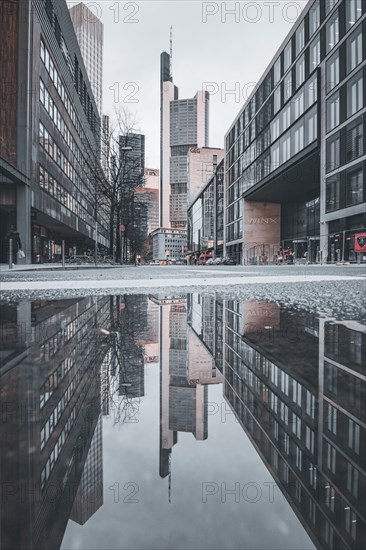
pixel 341 299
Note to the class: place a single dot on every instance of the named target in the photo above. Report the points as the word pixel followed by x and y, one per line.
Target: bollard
pixel 10 253
pixel 63 254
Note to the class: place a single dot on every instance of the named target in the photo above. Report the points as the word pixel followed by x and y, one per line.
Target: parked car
pixel 202 260
pixel 229 261
pixel 210 261
pixel 217 261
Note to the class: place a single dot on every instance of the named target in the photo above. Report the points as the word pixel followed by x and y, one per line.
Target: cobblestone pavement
pixel 334 291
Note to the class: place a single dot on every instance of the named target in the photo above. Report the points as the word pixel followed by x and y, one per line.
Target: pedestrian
pixel 16 243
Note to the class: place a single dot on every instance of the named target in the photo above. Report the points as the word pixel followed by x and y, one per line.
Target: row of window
pixel 353 56
pixel 345 102
pixel 311 58
pixel 77 373
pixel 345 146
pixel 56 451
pixel 332 499
pixel 51 186
pixel 345 189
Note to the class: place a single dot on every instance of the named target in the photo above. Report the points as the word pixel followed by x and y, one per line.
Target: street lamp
pixel 124 149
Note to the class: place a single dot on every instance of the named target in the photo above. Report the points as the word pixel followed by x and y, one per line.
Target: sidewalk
pixel 40 267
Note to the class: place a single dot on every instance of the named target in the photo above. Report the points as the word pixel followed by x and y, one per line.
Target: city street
pixel 331 289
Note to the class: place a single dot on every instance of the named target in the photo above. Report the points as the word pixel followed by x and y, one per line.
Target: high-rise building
pixel 132 150
pixel 47 136
pixel 295 154
pixel 183 126
pixel 89 32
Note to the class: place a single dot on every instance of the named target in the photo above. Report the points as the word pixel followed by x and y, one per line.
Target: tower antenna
pixel 171 51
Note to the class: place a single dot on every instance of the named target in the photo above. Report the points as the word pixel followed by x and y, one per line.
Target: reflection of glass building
pixel 295 154
pixel 302 403
pixel 51 398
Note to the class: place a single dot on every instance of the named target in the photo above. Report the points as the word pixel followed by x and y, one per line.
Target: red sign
pixel 122 228
pixel 360 242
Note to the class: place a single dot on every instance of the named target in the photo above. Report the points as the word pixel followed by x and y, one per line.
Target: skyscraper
pixel 89 32
pixel 134 159
pixel 183 126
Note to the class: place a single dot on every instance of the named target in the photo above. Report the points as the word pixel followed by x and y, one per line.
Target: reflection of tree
pixel 123 372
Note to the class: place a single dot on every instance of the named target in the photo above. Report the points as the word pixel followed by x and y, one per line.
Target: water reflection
pixel 295 382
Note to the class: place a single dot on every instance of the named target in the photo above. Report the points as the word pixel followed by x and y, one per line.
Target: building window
pixel 353 12
pixel 350 522
pixel 332 112
pixel 333 71
pixel 298 458
pixel 286 118
pixel 311 127
pixel 286 147
pixel 354 193
pixel 296 393
pixel 332 193
pixel 275 128
pixel 300 38
pixel 329 5
pixel 309 439
pixel 287 57
pixel 330 457
pixel 311 91
pixel 354 140
pixel 300 71
pixel 333 153
pixel 332 32
pixel 315 53
pixel 275 156
pixel 310 404
pixel 277 100
pixel 287 86
pixel 298 137
pixel 298 103
pixel 331 419
pixel 277 71
pixel 314 18
pixel 354 94
pixel 354 49
pixel 352 480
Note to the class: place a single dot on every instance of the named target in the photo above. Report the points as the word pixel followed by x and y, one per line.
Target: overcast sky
pixel 229 51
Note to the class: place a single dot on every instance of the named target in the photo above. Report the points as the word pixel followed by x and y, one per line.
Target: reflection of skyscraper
pixel 52 391
pixel 89 496
pixel 297 388
pixel 186 368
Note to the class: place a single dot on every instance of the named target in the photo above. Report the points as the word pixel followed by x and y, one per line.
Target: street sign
pixel 122 228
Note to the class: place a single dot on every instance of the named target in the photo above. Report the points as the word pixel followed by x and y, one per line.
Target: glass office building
pixel 295 155
pixel 50 135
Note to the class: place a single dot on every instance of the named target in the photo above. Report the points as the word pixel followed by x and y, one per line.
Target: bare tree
pixel 116 173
